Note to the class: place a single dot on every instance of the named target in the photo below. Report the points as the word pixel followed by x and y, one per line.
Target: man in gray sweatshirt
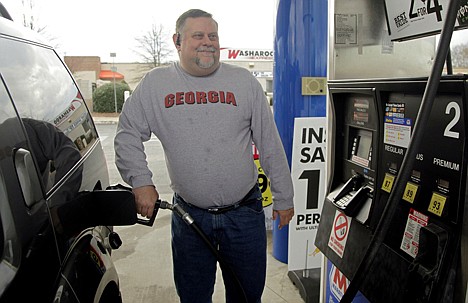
pixel 206 115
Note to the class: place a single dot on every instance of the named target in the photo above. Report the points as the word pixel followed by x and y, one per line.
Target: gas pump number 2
pixel 448 132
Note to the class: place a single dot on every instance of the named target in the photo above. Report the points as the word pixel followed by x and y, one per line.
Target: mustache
pixel 206 49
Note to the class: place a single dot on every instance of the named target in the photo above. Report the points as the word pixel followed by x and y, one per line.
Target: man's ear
pixel 176 39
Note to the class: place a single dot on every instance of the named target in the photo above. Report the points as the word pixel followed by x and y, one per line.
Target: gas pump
pixel 394 221
pixel 420 258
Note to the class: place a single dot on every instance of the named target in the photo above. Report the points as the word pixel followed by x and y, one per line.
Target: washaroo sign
pixel 241 54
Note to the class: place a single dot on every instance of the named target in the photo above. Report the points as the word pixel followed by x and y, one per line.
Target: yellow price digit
pixel 388 182
pixel 410 192
pixel 264 185
pixel 437 204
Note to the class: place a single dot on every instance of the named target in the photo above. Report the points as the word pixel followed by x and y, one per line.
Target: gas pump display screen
pixel 361 148
pixel 361 111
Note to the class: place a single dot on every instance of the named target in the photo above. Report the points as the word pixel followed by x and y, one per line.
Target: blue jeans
pixel 239 235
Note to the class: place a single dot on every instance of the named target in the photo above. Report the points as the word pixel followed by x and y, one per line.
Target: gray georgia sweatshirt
pixel 206 126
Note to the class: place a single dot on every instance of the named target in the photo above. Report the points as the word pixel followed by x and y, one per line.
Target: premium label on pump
pixel 437 204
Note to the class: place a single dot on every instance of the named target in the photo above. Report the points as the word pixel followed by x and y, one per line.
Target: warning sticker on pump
pixel 410 241
pixel 339 233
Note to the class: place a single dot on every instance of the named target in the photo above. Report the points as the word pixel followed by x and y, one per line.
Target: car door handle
pixel 27 176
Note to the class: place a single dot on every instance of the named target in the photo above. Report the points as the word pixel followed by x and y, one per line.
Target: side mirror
pixel 112 207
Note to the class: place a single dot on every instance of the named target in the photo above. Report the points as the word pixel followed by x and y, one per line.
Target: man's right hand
pixel 145 199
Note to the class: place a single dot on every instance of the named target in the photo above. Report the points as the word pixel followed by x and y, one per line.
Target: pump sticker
pixel 388 182
pixel 397 128
pixel 410 242
pixel 410 192
pixel 339 233
pixel 338 282
pixel 346 28
pixel 396 133
pixel 437 204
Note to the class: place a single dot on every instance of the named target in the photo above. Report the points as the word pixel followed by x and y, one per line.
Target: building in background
pixel 258 61
pixel 90 73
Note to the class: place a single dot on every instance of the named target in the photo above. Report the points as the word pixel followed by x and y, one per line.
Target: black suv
pixel 55 243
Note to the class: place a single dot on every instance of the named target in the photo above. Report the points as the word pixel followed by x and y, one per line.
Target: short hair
pixel 191 13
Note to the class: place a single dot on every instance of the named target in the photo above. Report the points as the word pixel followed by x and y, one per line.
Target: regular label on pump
pixel 410 242
pixel 388 183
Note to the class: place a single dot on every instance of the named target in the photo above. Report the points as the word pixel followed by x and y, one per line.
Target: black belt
pixel 222 209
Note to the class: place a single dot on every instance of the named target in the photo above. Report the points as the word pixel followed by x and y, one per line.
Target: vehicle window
pixel 54 114
pixel 9 244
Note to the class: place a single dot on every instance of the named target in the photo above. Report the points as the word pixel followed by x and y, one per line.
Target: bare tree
pixel 153 47
pixel 460 55
pixel 31 21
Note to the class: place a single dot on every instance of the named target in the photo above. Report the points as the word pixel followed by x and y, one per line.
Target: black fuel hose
pixel 185 216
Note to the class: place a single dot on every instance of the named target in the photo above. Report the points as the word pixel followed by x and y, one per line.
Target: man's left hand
pixel 284 215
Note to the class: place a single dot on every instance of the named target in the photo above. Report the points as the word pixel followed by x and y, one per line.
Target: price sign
pixel 410 192
pixel 413 18
pixel 308 172
pixel 388 182
pixel 437 204
pixel 264 184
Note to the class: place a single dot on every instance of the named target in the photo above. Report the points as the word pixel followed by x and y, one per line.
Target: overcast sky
pixel 101 27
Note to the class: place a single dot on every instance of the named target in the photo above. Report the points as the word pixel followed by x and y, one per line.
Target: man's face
pixel 199 46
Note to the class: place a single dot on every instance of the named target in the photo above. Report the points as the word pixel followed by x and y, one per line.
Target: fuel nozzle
pixel 163 204
pixel 159 204
pixel 176 208
pixel 357 180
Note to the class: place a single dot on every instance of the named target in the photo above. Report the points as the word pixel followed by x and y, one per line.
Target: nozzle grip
pixel 150 221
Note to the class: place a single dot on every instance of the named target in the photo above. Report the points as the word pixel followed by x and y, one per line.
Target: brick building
pixel 89 72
